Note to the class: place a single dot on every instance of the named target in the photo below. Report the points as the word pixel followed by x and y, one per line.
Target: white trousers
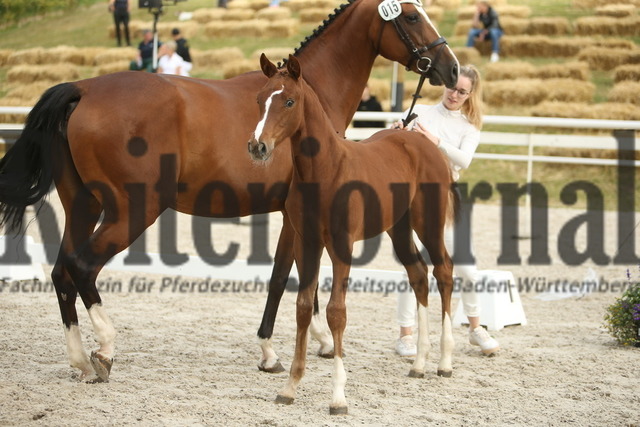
pixel 468 272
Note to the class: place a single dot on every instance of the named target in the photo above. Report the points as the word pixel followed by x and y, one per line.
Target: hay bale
pixel 447 4
pixel 205 15
pixel 435 13
pixel 508 71
pixel 238 14
pixel 187 29
pixel 115 54
pixel 217 29
pixel 69 54
pixel 4 56
pixel 380 88
pixel 28 74
pixel 513 11
pixel 543 46
pixel 283 28
pixel 273 53
pixel 626 92
pixel 608 26
pixel 31 56
pixel 274 13
pixel 629 26
pixel 215 58
pixel 572 70
pixel 462 28
pixel 314 15
pixel 29 94
pixel 299 5
pixel 257 5
pixel 613 43
pixel 467 55
pixel 568 90
pixel 627 72
pixel 111 67
pixel 603 111
pixel 241 66
pixel 548 26
pixel 616 10
pixel 592 4
pixel 519 92
pixel 605 59
pixel 514 26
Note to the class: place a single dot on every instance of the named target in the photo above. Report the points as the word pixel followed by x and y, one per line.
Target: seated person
pixel 486 26
pixel 144 59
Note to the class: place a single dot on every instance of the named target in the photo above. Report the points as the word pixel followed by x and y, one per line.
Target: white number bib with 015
pixel 389 9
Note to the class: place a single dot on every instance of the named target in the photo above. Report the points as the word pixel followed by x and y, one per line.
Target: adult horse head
pixel 426 51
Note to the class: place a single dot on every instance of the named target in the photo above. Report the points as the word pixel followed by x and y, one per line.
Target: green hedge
pixel 15 10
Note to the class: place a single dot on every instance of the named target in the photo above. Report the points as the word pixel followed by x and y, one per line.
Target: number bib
pixel 389 9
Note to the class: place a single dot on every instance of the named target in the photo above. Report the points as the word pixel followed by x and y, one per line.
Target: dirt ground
pixel 190 358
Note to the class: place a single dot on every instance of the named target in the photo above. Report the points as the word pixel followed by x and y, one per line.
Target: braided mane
pixel 316 33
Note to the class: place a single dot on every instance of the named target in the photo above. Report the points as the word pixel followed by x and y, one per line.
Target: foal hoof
pixel 102 366
pixel 445 374
pixel 416 374
pixel 338 410
pixel 284 400
pixel 275 369
pixel 327 354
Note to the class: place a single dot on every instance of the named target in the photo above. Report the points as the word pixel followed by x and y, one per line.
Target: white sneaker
pixel 405 346
pixel 479 336
pixel 495 57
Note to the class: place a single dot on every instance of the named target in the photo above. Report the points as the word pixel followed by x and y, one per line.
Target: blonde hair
pixel 472 108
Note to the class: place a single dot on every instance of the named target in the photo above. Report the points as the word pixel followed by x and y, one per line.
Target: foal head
pixel 281 107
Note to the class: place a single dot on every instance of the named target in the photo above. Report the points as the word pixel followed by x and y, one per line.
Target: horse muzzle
pixel 258 150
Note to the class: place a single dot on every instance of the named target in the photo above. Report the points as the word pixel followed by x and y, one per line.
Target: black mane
pixel 322 27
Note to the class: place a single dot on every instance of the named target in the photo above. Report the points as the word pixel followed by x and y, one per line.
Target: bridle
pixel 390 10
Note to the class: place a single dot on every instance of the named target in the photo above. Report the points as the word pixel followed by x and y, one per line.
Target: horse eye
pixel 413 18
pixel 289 103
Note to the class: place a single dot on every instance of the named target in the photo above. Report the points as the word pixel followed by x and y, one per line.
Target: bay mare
pixel 124 147
pixel 402 182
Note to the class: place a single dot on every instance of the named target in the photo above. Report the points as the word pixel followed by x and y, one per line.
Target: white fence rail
pixel 8 133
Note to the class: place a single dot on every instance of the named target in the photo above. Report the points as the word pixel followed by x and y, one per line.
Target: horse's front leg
pixel 337 320
pixel 308 263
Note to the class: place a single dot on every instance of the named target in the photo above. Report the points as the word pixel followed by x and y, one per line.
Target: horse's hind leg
pixel 417 271
pixel 80 223
pixel 431 234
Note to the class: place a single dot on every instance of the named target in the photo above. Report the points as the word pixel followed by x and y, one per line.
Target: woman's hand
pixel 397 125
pixel 421 129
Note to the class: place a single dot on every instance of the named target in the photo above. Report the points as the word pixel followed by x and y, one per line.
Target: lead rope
pixel 410 115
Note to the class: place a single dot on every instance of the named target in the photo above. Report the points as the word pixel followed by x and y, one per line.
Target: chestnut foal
pixel 404 184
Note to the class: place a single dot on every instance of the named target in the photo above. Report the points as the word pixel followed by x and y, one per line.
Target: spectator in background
pixel 144 59
pixel 368 102
pixel 182 45
pixel 486 26
pixel 120 10
pixel 172 63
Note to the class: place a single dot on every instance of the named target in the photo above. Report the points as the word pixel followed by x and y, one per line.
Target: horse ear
pixel 293 67
pixel 267 66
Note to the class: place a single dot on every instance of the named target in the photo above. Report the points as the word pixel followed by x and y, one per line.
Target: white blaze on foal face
pixel 267 105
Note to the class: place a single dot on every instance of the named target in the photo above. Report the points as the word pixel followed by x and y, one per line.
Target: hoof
pixel 445 374
pixel 284 400
pixel 327 354
pixel 275 369
pixel 102 366
pixel 338 410
pixel 419 374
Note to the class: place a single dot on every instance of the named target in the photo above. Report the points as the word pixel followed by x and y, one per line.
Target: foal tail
pixel 26 170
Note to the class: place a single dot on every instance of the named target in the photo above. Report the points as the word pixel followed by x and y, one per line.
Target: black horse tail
pixel 26 170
